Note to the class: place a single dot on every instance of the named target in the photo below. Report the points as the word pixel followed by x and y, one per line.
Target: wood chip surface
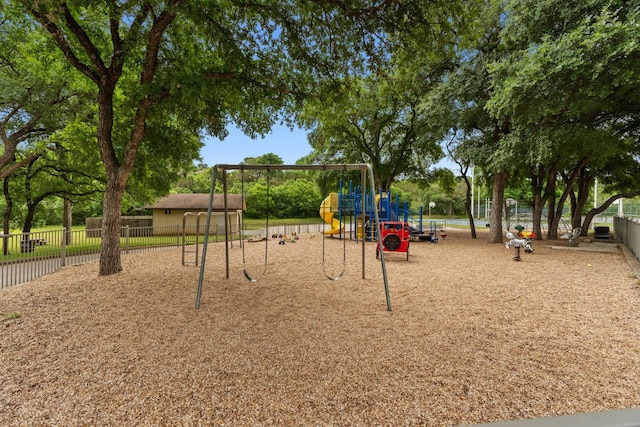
pixel 473 337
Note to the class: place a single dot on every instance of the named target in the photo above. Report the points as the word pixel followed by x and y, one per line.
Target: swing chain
pixel 266 240
pixel 342 237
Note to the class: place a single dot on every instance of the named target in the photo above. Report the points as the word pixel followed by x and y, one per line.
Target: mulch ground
pixel 473 337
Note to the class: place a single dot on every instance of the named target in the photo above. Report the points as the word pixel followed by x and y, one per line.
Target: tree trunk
pixel 587 220
pixel 468 207
pixel 595 211
pixel 507 215
pixel 110 260
pixel 553 228
pixel 584 190
pixel 538 202
pixel 6 218
pixel 555 222
pixel 495 221
pixel 551 209
pixel 28 219
pixel 67 220
pixel 536 215
pixel 573 209
pixel 569 182
pixel 550 197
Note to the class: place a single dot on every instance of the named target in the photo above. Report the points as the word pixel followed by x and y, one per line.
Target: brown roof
pixel 198 201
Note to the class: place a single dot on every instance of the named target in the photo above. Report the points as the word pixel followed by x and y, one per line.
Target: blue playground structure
pixel 349 205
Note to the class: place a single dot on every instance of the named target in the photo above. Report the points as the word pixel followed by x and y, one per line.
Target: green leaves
pixel 377 120
pixel 571 85
pixel 581 73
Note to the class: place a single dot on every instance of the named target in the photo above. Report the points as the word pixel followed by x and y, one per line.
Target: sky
pixel 289 144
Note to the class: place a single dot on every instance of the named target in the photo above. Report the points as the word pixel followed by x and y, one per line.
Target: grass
pixel 49 228
pixel 83 245
pixel 11 316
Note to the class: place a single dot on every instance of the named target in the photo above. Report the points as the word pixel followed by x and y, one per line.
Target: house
pixel 174 211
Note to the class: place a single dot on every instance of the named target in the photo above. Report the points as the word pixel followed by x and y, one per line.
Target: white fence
pixel 628 230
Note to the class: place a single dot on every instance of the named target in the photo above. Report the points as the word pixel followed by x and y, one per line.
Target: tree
pixel 61 172
pixel 460 102
pixel 275 176
pixel 377 120
pixel 34 97
pixel 571 83
pixel 463 166
pixel 378 117
pixel 193 179
pixel 193 66
pixel 297 198
pixel 37 99
pixel 82 35
pixel 619 177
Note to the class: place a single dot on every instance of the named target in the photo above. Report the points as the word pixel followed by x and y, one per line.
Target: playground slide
pixel 328 217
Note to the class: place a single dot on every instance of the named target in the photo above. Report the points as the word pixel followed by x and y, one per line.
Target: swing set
pixel 365 169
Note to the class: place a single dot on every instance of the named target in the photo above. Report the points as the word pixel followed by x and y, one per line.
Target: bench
pixel 30 245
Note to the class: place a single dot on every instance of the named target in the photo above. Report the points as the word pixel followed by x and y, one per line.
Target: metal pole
pixel 363 181
pixel 184 235
pixel 226 220
pixel 206 237
pixel 379 238
pixel 63 248
pixel 197 235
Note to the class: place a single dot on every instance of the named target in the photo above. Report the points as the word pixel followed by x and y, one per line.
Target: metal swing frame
pixel 364 168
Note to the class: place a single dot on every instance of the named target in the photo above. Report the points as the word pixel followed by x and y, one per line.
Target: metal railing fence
pixel 289 229
pixel 27 256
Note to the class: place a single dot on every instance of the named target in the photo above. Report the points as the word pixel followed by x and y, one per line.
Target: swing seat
pixel 257 238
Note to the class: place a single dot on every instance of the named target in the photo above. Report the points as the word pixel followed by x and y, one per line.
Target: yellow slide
pixel 328 216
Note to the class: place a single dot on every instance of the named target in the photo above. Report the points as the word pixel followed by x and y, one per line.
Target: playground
pixel 474 337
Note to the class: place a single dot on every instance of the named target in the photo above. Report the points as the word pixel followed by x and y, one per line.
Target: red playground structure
pixel 395 237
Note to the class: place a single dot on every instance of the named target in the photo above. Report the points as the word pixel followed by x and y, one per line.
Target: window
pixel 167 211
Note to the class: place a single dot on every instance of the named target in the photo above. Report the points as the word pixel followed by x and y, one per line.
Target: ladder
pixel 191 243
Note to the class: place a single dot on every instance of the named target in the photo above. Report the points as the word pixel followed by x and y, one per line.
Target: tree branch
pixel 15 166
pixel 62 42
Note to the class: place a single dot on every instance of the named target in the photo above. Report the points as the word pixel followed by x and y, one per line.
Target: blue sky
pixel 289 144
